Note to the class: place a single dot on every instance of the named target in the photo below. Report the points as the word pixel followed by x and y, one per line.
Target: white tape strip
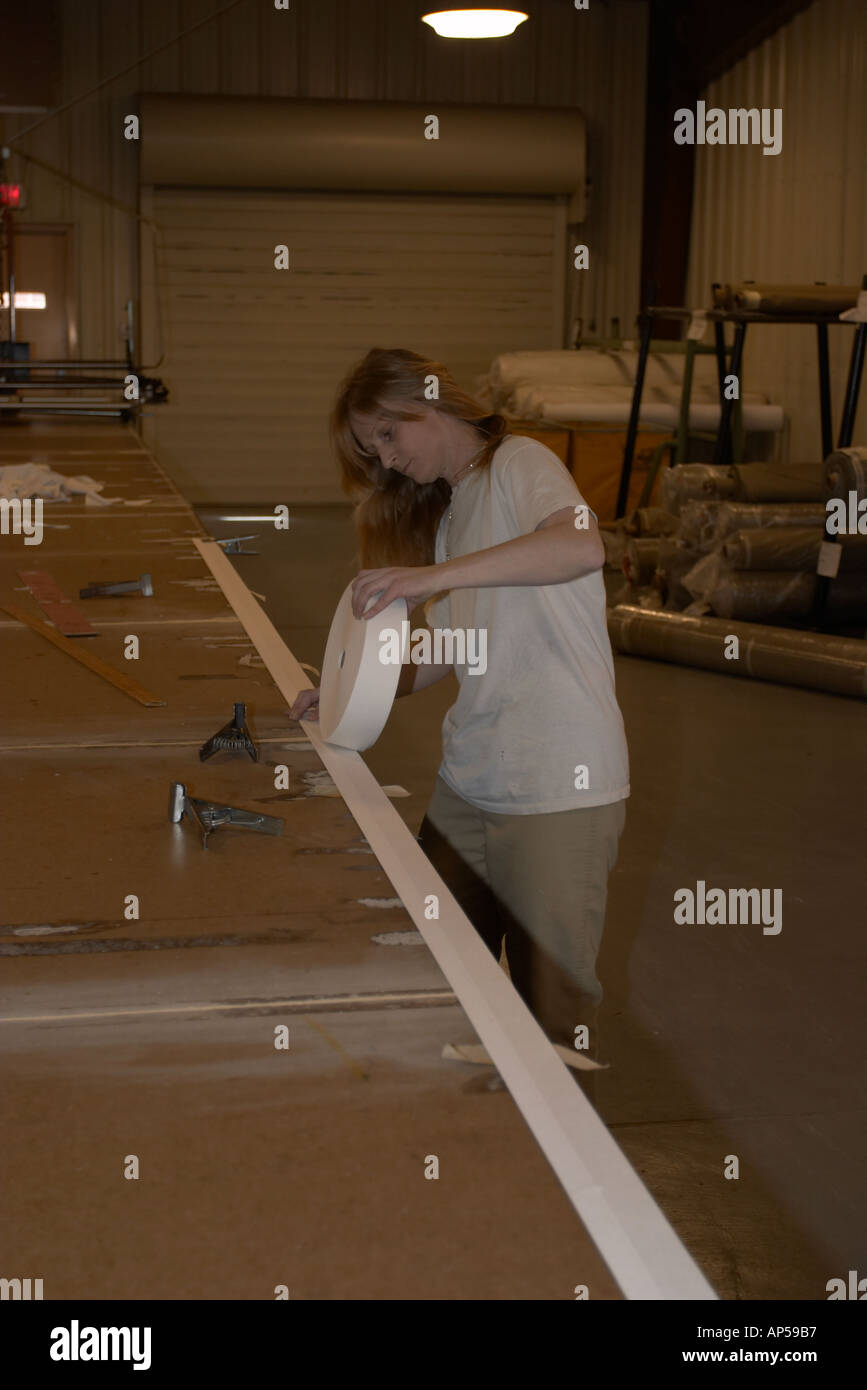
pixel 633 1236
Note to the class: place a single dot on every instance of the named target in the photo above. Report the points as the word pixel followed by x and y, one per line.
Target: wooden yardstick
pixel 84 657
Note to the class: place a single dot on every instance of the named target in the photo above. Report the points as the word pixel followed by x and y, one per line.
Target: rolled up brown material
pixel 809 659
pixel 846 471
pixel 756 595
pixel 761 298
pixel 675 560
pixel 686 481
pixel 640 560
pixel 737 516
pixel 652 521
pixel 780 482
pixel 698 522
pixel 790 548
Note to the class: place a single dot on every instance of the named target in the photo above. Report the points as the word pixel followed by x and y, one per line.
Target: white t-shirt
pixel 543 716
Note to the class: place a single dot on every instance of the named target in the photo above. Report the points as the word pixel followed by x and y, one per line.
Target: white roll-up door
pixel 253 355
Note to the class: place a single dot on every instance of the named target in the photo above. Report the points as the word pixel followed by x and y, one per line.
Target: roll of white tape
pixel 358 685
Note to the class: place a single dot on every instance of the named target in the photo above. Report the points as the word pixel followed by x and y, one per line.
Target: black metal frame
pixel 719 318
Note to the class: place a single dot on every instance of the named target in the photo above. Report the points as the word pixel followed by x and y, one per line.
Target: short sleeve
pixel 537 484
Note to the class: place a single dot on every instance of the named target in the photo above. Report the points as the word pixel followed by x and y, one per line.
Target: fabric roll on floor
pixel 790 548
pixel 809 659
pixel 759 298
pixel 846 471
pixel 640 559
pixel 753 596
pixel 779 482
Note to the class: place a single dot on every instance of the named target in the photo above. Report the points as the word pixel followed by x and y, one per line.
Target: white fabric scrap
pixel 20 480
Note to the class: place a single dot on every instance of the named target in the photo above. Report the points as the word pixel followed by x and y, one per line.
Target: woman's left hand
pixel 415 584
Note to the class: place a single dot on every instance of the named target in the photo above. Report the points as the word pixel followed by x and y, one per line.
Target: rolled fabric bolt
pixel 697 528
pixel 812 660
pixel 675 560
pixel 651 521
pixel 737 516
pixel 685 481
pixel 790 548
pixel 779 482
pixel 615 548
pixel 845 471
pixel 357 688
pixel 640 560
pixel 704 576
pixel 756 595
pixel 794 299
pixel 751 297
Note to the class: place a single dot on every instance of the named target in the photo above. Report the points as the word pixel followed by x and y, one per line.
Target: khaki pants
pixel 540 882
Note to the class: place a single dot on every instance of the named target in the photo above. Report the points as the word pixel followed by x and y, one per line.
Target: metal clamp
pixel 210 815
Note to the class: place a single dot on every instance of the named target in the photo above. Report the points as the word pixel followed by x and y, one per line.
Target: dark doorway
pixel 44 265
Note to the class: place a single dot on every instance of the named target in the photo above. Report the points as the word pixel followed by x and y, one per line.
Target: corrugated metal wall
pixel 797 216
pixel 355 49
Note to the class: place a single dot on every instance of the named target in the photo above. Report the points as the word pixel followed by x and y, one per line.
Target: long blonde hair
pixel 395 518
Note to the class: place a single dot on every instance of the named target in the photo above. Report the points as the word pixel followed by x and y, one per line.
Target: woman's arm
pixel 564 552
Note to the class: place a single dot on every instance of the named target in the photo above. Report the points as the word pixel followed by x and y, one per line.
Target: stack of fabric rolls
pixel 744 542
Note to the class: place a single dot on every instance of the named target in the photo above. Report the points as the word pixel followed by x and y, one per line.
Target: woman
pixel 529 803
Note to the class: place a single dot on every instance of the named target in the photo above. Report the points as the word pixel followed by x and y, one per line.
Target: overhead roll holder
pixel 380 146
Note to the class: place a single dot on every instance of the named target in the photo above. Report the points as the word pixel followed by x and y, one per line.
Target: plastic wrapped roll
pixel 704 576
pixel 614 542
pixel 738 516
pixel 698 522
pixel 759 298
pixel 651 521
pixel 779 482
pixel 809 659
pixel 640 560
pixel 790 548
pixel 846 471
pixel 674 561
pixel 756 595
pixel 686 481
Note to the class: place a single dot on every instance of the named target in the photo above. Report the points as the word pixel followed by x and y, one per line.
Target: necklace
pixel 451 508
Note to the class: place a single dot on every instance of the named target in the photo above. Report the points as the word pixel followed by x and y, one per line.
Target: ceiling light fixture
pixel 474 24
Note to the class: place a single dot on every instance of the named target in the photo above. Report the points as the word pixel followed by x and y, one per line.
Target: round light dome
pixel 474 24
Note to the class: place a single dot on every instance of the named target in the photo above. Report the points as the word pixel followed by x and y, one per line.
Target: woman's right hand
pixel 306 700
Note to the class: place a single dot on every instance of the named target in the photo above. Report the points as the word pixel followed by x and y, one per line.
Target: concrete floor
pixel 155 1036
